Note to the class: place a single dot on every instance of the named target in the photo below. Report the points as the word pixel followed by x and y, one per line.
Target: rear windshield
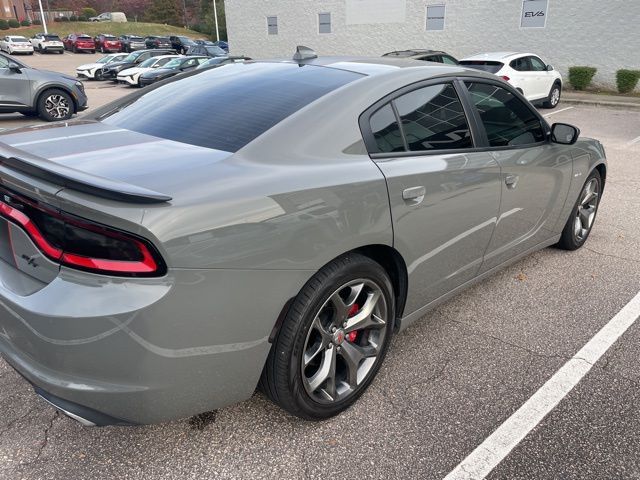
pixel 19 39
pixel 137 39
pixel 227 107
pixel 84 36
pixel 51 37
pixel 213 50
pixel 109 37
pixel 484 65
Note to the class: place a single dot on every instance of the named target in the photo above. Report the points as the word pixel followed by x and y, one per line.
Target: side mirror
pixel 549 68
pixel 15 68
pixel 564 134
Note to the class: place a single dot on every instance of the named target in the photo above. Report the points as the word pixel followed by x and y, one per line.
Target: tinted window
pixel 433 119
pixel 449 60
pixel 537 65
pixel 52 37
pixel 214 50
pixel 247 98
pixel 520 64
pixel 4 63
pixel 507 119
pixel 484 65
pixel 384 127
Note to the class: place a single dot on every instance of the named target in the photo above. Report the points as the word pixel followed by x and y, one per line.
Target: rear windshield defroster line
pixel 227 107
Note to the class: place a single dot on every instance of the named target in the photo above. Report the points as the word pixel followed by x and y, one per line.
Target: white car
pixel 536 80
pixel 93 71
pixel 15 44
pixel 131 76
pixel 47 42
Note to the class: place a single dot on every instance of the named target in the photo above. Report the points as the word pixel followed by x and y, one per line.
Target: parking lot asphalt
pixel 447 383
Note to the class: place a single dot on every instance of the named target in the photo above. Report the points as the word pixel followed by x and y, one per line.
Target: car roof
pixel 499 56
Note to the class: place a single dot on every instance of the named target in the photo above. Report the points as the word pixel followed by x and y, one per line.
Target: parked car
pixel 181 43
pixel 153 41
pixel 527 72
pixel 79 42
pixel 107 43
pixel 110 72
pixel 217 61
pixel 131 43
pixel 93 71
pixel 47 42
pixel 49 95
pixel 170 69
pixel 207 51
pixel 110 17
pixel 203 41
pixel 424 55
pixel 16 44
pixel 222 44
pixel 225 236
pixel 131 76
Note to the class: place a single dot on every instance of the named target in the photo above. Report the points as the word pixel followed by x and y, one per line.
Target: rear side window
pixel 225 108
pixel 386 131
pixel 507 120
pixel 520 64
pixel 483 65
pixel 432 118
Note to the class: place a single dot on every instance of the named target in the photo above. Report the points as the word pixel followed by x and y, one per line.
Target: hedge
pixel 4 25
pixel 25 23
pixel 580 77
pixel 627 80
pixel 37 22
pixel 73 18
pixel 13 23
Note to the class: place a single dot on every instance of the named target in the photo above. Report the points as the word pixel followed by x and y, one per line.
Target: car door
pixel 444 193
pixel 536 173
pixel 543 78
pixel 15 87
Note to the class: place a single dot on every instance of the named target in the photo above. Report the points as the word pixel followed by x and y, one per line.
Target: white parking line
pixel 635 140
pixel 557 111
pixel 497 446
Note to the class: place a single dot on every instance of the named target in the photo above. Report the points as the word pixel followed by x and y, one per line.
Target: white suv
pixel 536 80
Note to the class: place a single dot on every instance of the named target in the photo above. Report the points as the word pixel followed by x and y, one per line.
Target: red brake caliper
pixel 351 336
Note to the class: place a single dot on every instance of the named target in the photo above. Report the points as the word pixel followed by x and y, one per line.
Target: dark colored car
pixel 222 44
pixel 110 72
pixel 107 43
pixel 131 43
pixel 181 43
pixel 217 61
pixel 424 55
pixel 38 93
pixel 79 42
pixel 206 51
pixel 174 67
pixel 202 41
pixel 153 41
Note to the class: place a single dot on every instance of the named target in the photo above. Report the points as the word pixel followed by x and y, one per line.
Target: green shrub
pixel 82 18
pixel 3 24
pixel 627 80
pixel 63 19
pixel 89 12
pixel 580 77
pixel 25 23
pixel 13 23
pixel 73 18
pixel 37 22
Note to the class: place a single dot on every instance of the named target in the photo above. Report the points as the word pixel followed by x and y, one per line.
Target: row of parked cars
pixel 538 81
pixel 106 43
pixel 145 67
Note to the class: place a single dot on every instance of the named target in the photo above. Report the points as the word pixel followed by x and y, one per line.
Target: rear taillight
pixel 505 78
pixel 82 244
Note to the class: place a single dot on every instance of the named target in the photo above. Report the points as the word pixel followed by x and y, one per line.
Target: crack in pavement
pixel 45 440
pixel 611 256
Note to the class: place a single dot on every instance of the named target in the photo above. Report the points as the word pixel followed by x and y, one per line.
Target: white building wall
pixel 601 33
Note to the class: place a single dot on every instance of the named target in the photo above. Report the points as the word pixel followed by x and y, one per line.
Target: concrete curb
pixel 601 103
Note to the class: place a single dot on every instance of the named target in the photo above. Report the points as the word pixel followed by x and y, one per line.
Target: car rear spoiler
pixel 73 179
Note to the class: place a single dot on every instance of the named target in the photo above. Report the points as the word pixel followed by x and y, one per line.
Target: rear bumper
pixel 144 350
pixel 53 49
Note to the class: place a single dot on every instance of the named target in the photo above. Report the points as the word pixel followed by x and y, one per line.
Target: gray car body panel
pixel 241 236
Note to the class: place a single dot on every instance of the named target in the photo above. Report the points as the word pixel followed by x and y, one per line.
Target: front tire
pixel 54 105
pixel 578 227
pixel 553 99
pixel 333 339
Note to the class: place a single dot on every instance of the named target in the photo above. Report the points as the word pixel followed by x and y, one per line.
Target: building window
pixel 435 17
pixel 272 25
pixel 534 14
pixel 324 23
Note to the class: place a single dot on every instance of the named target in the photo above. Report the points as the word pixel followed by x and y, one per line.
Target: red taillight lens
pixel 82 244
pixel 505 78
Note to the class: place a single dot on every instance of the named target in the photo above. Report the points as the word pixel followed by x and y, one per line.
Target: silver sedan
pixel 272 224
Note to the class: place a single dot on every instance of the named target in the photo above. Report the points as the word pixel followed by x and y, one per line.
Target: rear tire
pixel 333 339
pixel 55 105
pixel 553 99
pixel 583 215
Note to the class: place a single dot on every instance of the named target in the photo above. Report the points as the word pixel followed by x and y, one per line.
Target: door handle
pixel 414 195
pixel 511 181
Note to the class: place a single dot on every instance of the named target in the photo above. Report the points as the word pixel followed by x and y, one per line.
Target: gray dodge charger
pixel 269 224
